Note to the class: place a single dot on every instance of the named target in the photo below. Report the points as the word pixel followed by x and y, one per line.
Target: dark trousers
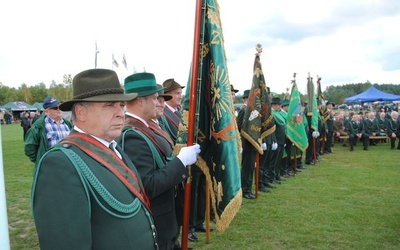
pixel 328 142
pixel 277 161
pixel 248 163
pixel 266 173
pixel 393 143
pixel 197 198
pixel 353 140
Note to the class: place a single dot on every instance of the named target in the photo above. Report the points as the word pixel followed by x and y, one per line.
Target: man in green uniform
pixel 86 193
pixel 152 154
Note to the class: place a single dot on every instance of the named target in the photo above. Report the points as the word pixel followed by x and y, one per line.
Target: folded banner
pixel 296 131
pixel 217 131
pixel 312 104
pixel 258 121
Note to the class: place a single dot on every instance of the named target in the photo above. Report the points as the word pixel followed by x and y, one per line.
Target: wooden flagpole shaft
pixel 295 158
pixel 191 118
pixel 257 167
pixel 207 212
pixel 315 150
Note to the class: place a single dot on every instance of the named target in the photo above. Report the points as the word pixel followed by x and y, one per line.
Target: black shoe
pixel 192 237
pixel 365 148
pixel 177 245
pixel 203 229
pixel 351 149
pixel 249 196
pixel 264 189
pixel 269 185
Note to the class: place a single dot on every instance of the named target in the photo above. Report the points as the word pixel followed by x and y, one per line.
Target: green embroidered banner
pixel 296 131
pixel 312 104
pixel 217 129
pixel 258 121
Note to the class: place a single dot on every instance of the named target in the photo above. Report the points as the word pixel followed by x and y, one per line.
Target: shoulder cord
pixel 352 127
pixel 167 127
pixel 91 181
pixel 157 160
pixel 391 125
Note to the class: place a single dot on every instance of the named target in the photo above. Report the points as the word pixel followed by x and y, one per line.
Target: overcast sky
pixel 342 41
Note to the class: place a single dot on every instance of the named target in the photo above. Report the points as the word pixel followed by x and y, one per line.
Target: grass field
pixel 349 200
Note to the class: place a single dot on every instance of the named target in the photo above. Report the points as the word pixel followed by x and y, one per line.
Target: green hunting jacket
pixel 36 144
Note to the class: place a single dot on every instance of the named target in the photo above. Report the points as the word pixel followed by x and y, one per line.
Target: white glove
pixel 274 146
pixel 241 150
pixel 254 114
pixel 264 146
pixel 188 155
pixel 315 134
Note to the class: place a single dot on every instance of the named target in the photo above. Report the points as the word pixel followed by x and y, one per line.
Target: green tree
pixel 7 94
pixel 38 93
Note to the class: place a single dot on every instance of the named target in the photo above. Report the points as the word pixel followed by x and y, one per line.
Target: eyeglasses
pixel 55 108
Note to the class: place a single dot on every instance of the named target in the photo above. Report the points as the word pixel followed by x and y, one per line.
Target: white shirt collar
pixel 137 117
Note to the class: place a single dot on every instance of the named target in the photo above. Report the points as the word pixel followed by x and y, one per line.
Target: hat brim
pixel 166 97
pixel 52 105
pixel 67 105
pixel 166 89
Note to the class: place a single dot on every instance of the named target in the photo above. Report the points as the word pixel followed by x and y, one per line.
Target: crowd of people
pixel 281 159
pixel 108 177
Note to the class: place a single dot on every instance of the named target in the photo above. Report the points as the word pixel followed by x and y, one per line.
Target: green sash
pixel 111 161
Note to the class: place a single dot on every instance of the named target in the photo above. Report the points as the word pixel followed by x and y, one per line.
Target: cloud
pixel 342 41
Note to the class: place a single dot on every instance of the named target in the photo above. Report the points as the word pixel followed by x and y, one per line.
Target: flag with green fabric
pixel 296 131
pixel 324 114
pixel 217 131
pixel 258 121
pixel 312 104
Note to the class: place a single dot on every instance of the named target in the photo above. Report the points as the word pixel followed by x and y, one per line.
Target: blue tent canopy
pixel 371 95
pixel 18 106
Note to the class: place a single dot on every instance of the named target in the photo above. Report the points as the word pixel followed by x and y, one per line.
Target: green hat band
pixel 140 86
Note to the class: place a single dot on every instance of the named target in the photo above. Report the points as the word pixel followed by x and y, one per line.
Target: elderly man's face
pixel 160 106
pixel 176 97
pixel 101 119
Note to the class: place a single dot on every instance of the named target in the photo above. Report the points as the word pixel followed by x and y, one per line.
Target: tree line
pixel 63 91
pixel 38 92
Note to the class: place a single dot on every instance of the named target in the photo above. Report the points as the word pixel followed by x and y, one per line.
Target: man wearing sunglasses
pixel 47 131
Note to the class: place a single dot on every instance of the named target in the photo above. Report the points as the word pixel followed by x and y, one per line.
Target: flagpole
pixel 4 236
pixel 191 117
pixel 257 167
pixel 95 56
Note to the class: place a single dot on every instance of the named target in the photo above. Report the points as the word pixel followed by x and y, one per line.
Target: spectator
pixel 47 131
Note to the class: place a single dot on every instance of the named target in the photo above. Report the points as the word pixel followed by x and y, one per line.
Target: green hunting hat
pixel 276 100
pixel 285 103
pixel 96 85
pixel 171 84
pixel 144 84
pixel 161 93
pixel 246 93
pixel 233 89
